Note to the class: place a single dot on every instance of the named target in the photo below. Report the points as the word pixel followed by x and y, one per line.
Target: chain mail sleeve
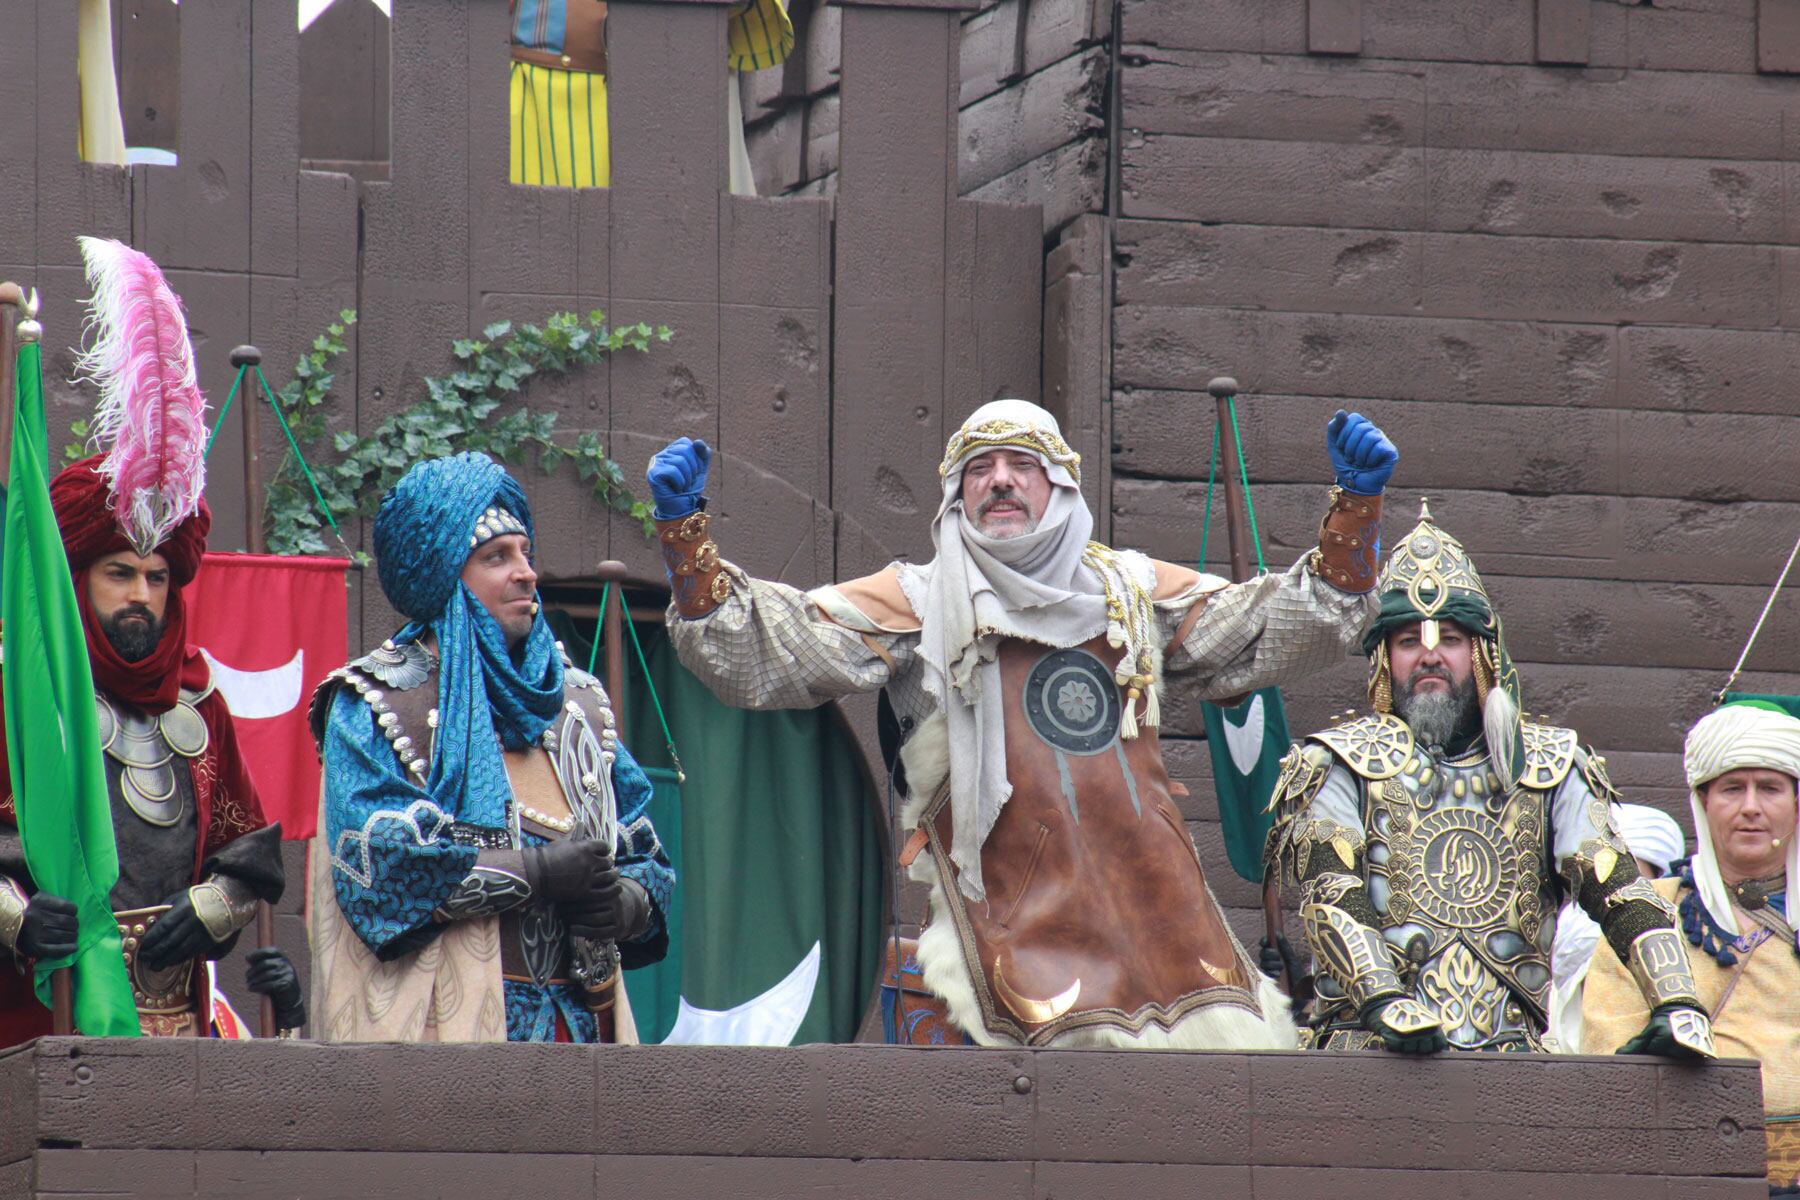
pixel 768 645
pixel 1264 631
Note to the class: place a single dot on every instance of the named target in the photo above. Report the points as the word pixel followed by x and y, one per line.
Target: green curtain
pixel 774 836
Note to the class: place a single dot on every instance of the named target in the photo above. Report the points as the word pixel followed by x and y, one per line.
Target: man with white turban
pixel 1656 842
pixel 1023 666
pixel 1743 764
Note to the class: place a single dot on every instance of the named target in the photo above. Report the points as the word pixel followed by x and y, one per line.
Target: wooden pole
pixel 1224 391
pixel 613 571
pixel 247 359
pixel 12 296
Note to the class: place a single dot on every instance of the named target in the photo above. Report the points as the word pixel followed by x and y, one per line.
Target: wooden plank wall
pixel 825 345
pixel 1031 89
pixel 1563 289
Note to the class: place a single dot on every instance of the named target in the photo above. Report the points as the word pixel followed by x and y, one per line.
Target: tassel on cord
pixel 151 419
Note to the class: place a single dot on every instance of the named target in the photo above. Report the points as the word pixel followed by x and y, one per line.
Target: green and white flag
pixel 52 732
pixel 776 925
pixel 1246 745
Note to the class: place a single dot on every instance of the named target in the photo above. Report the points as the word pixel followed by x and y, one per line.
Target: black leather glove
pixel 177 936
pixel 1406 1029
pixel 272 974
pixel 1658 1038
pixel 50 929
pixel 566 871
pixel 618 912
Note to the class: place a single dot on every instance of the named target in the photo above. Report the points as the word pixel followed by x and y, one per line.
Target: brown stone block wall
pixel 1566 291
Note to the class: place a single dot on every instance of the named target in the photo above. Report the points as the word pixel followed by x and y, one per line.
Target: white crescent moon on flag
pixel 251 694
pixel 1245 741
pixel 771 1019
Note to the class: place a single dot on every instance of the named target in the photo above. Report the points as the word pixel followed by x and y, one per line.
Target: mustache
pixel 1419 673
pixel 135 610
pixel 999 496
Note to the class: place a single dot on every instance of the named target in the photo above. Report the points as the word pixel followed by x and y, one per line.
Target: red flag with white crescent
pixel 272 627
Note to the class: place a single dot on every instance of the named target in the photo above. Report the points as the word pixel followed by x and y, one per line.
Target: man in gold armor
pixel 1432 840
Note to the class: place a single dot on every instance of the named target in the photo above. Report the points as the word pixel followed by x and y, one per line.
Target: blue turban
pixel 422 540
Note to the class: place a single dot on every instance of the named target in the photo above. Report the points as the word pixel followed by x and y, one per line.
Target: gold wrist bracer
pixel 12 913
pixel 1659 962
pixel 1349 542
pixel 224 906
pixel 695 578
pixel 1351 953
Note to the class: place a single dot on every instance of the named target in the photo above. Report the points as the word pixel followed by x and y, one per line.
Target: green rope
pixel 229 397
pixel 1212 469
pixel 318 497
pixel 668 738
pixel 643 665
pixel 599 630
pixel 293 445
pixel 1237 439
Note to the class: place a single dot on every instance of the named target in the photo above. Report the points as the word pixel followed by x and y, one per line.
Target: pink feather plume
pixel 152 418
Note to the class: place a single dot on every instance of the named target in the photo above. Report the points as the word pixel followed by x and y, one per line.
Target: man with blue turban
pixel 485 865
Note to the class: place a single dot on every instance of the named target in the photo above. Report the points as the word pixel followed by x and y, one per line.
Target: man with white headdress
pixel 1742 761
pixel 1023 666
pixel 1656 843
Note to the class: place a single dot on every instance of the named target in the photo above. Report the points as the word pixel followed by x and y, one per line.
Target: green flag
pixel 776 926
pixel 52 735
pixel 1246 745
pixel 1787 704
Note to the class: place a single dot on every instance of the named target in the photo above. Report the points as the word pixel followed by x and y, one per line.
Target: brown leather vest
pixel 1097 909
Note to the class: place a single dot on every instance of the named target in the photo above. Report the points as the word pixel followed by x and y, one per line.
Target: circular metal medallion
pixel 1465 877
pixel 184 729
pixel 1072 702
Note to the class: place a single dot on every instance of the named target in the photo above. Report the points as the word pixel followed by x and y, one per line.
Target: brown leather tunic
pixel 1097 909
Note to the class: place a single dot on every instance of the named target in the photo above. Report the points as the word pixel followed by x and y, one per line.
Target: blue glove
pixel 677 477
pixel 1361 454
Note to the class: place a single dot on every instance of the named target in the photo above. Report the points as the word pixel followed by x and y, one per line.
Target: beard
pixel 134 639
pixel 1010 528
pixel 1439 718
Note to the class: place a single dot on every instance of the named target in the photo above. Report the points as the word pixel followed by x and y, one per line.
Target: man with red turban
pixel 195 852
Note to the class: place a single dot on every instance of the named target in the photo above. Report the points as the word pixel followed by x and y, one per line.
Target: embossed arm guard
pixel 692 559
pixel 1349 553
pixel 1639 924
pixel 496 884
pixel 224 904
pixel 13 902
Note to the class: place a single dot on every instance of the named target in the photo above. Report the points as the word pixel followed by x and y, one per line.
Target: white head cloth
pixel 1729 739
pixel 980 589
pixel 1651 834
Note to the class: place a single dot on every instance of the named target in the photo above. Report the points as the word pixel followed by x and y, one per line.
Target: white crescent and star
pixel 1246 741
pixel 252 694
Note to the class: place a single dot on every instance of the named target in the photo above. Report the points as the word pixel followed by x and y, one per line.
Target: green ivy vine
pixel 460 411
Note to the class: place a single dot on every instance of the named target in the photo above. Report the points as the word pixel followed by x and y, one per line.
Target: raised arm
pixel 754 643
